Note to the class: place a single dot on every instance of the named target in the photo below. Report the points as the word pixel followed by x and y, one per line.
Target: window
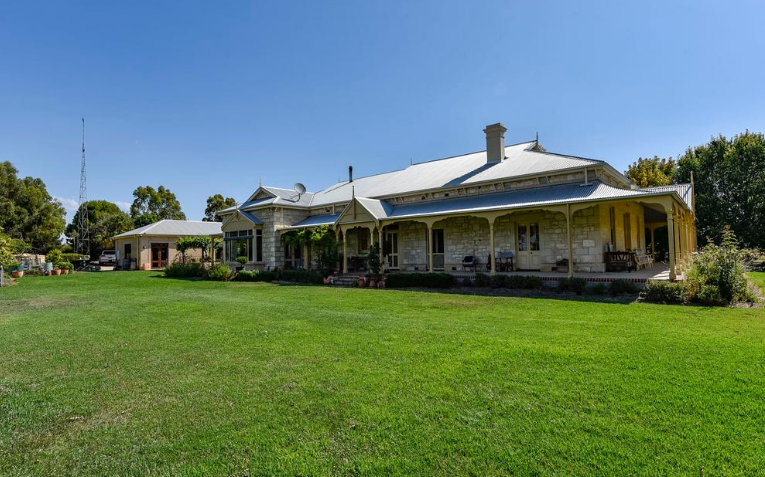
pixel 627 232
pixel 533 237
pixel 363 241
pixel 259 245
pixel 239 244
pixel 612 221
pixel 438 240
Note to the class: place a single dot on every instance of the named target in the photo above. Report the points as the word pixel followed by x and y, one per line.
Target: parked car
pixel 107 256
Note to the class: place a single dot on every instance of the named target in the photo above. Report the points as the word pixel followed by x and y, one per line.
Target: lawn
pixel 133 374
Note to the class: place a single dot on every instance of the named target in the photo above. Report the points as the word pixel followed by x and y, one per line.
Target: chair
pixel 469 262
pixel 643 260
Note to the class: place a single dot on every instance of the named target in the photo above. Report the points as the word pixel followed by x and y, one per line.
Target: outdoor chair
pixel 643 260
pixel 469 262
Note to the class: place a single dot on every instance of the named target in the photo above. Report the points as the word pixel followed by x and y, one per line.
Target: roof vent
pixel 495 142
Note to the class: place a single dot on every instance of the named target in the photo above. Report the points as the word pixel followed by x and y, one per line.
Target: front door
pixel 390 244
pixel 158 255
pixel 528 246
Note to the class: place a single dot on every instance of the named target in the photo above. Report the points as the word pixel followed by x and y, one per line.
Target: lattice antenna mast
pixel 83 245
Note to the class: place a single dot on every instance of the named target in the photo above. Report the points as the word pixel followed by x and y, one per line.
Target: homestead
pixel 516 207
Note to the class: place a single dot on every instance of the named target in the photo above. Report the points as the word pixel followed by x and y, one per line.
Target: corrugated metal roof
pixel 250 217
pixel 539 196
pixel 315 221
pixel 180 228
pixel 464 170
pixel 289 196
pixel 378 208
pixel 685 191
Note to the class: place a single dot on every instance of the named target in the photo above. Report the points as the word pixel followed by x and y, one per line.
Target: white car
pixel 107 256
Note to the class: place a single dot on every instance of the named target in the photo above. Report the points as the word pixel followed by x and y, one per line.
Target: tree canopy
pixel 652 172
pixel 214 204
pixel 28 212
pixel 729 176
pixel 150 205
pixel 105 220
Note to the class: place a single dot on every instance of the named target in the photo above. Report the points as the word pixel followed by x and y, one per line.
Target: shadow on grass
pixel 521 293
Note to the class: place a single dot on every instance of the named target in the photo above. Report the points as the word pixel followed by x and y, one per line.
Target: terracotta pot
pixel 372 283
pixel 55 272
pixel 65 272
pixel 17 273
pixel 362 282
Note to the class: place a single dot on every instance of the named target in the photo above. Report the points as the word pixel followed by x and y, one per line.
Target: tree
pixel 184 244
pixel 652 172
pixel 9 247
pixel 214 204
pixel 105 220
pixel 151 205
pixel 729 175
pixel 28 212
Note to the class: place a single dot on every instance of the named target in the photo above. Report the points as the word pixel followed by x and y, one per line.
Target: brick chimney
pixel 495 142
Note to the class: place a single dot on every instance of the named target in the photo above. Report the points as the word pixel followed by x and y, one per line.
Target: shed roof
pixel 180 228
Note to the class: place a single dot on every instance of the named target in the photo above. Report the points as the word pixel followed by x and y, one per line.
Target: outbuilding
pixel 153 246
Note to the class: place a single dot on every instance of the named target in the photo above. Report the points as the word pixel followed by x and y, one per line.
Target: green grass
pixel 131 374
pixel 758 278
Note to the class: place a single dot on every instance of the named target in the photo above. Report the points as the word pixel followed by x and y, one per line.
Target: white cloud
pixel 70 205
pixel 125 206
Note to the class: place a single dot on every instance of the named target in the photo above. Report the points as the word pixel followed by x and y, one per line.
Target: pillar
pixel 570 243
pixel 345 250
pixel 430 247
pixel 671 242
pixel 653 241
pixel 492 252
pixel 678 250
pixel 380 244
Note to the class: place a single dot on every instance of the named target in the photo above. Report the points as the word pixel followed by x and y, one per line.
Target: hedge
pixel 421 280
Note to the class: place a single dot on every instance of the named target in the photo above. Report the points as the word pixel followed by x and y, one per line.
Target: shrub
pixel 515 281
pixel 664 292
pixel 622 287
pixel 482 280
pixel 532 283
pixel 301 276
pixel 264 276
pixel 70 257
pixel 598 289
pixel 716 276
pixel 54 256
pixel 219 273
pixel 179 270
pixel 498 281
pixel 576 285
pixel 424 280
pixel 245 276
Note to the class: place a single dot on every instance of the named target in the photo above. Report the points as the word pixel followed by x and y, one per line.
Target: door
pixel 158 255
pixel 390 243
pixel 528 246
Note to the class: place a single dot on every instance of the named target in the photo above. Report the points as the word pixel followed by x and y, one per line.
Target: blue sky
pixel 211 97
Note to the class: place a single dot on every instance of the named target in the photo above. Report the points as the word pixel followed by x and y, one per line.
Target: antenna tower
pixel 83 242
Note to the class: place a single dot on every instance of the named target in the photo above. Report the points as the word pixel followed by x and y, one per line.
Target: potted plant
pixel 16 269
pixel 242 261
pixel 375 264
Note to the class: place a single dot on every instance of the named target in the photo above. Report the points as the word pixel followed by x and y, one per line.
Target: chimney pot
pixel 350 173
pixel 495 142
